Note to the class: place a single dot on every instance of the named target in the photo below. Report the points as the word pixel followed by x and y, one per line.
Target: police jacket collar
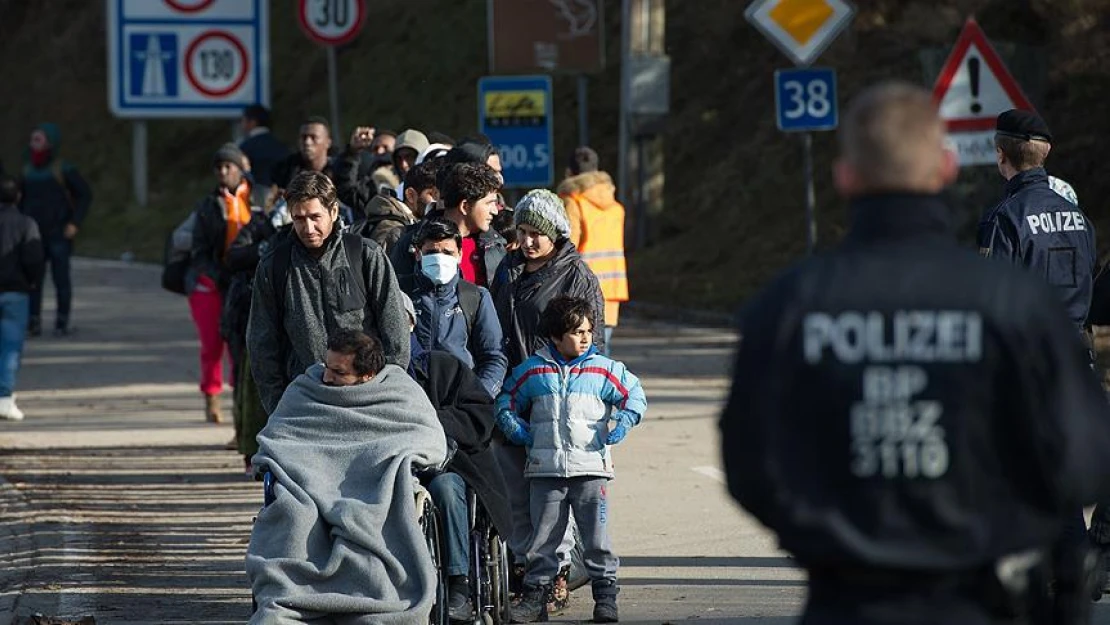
pixel 1027 178
pixel 899 215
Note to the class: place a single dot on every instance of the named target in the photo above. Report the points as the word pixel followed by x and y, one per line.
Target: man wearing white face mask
pixel 453 315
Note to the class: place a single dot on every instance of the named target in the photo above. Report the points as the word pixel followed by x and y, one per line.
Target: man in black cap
pixel 1033 226
pixel 913 423
pixel 1037 228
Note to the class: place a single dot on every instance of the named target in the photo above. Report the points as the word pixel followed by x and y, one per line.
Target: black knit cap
pixel 1025 125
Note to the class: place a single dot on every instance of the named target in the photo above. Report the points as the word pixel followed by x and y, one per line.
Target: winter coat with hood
pixel 597 230
pixel 441 325
pixel 569 406
pixel 55 193
pixel 384 221
pixel 320 295
pixel 21 253
pixel 520 298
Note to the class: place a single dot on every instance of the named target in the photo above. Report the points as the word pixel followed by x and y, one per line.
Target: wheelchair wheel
pixel 498 568
pixel 429 524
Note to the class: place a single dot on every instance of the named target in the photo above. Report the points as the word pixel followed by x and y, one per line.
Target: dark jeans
pixel 58 250
pixel 448 491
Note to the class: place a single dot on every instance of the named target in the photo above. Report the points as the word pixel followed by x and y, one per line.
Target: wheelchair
pixel 428 516
pixel 489 567
pixel 489 562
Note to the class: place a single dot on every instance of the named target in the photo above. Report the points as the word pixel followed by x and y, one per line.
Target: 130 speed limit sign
pixel 216 63
pixel 332 22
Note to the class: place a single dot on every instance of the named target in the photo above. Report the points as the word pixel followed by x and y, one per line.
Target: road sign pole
pixel 138 161
pixel 583 111
pixel 333 93
pixel 811 194
pixel 622 146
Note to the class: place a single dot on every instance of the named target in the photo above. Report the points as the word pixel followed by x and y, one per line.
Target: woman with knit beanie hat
pixel 545 266
pixel 220 216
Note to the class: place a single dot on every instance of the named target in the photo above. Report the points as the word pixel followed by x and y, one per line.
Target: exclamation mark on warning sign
pixel 973 73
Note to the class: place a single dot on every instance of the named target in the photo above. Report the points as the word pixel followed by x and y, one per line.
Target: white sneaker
pixel 9 411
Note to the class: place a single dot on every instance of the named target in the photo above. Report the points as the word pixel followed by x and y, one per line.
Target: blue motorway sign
pixel 805 99
pixel 187 58
pixel 515 112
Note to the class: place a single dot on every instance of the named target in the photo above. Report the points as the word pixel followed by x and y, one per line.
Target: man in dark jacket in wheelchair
pixel 465 410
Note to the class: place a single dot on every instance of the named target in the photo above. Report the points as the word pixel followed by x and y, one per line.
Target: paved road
pixel 119 502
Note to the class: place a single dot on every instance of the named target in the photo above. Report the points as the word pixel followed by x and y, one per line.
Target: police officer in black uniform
pixel 1034 226
pixel 1037 228
pixel 913 423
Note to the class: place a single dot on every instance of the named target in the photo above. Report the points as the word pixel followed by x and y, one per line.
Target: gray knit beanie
pixel 544 211
pixel 229 153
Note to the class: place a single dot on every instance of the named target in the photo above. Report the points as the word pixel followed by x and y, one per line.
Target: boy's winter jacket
pixel 571 407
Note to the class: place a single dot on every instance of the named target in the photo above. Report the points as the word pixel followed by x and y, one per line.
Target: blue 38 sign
pixel 515 113
pixel 805 99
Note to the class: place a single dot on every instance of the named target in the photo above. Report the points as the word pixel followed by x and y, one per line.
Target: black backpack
pixel 175 265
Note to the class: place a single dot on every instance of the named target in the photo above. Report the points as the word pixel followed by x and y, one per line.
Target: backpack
pixel 370 228
pixel 177 254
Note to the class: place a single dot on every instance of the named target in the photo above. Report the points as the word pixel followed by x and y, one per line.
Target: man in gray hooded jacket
pixel 314 281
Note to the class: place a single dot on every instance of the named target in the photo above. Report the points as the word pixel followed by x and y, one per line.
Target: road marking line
pixel 712 473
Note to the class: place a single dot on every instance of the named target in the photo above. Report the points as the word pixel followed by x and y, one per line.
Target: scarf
pixel 237 210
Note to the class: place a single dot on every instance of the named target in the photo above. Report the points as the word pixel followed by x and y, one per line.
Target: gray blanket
pixel 341 542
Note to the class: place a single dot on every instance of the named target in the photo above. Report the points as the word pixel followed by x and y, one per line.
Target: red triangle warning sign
pixel 975 87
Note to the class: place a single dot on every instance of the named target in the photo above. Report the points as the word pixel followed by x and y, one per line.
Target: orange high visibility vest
pixel 602 246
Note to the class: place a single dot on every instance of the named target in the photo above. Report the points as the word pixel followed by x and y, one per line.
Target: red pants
pixel 205 305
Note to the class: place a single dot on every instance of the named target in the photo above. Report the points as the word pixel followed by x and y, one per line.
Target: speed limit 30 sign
pixel 331 22
pixel 187 58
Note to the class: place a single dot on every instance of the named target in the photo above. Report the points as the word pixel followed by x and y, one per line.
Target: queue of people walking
pixel 416 248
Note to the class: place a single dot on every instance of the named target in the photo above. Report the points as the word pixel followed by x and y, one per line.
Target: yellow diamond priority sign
pixel 802 29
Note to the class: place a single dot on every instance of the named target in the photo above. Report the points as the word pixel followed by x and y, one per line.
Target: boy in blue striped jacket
pixel 567 404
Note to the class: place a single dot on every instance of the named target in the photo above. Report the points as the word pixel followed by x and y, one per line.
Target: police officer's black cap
pixel 1024 125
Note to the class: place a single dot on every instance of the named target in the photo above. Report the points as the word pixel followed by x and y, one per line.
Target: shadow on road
pixel 127 532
